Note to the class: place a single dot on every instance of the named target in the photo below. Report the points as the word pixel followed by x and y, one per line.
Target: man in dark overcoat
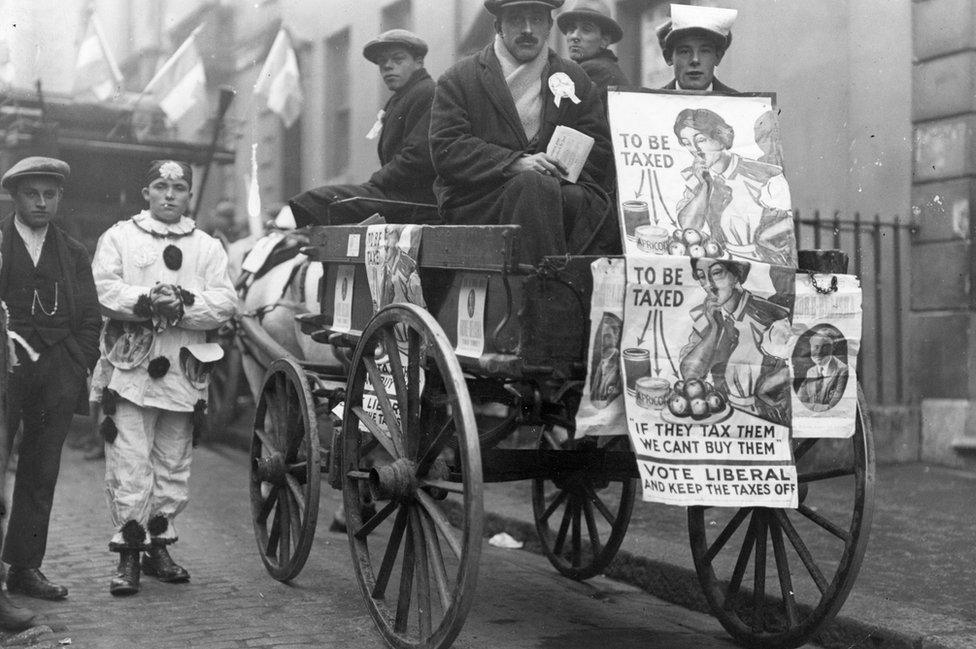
pixel 493 117
pixel 406 173
pixel 590 30
pixel 46 283
pixel 694 41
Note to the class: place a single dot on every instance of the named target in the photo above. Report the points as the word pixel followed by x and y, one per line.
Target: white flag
pixel 279 82
pixel 254 197
pixel 95 68
pixel 181 87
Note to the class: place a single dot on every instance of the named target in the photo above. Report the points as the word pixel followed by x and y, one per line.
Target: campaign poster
pixel 702 176
pixel 827 329
pixel 705 359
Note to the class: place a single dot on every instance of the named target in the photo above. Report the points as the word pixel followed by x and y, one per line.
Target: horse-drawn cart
pixel 412 430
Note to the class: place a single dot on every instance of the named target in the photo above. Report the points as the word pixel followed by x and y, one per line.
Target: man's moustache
pixel 526 41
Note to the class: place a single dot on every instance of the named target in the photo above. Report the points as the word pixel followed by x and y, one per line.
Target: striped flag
pixel 279 82
pixel 180 87
pixel 95 68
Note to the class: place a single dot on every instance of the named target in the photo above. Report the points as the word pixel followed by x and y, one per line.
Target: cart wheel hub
pixel 271 468
pixel 396 480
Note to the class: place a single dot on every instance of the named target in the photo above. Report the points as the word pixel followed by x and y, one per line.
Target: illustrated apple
pixel 679 387
pixel 712 249
pixel 695 251
pixel 715 401
pixel 677 248
pixel 692 236
pixel 679 406
pixel 678 235
pixel 699 408
pixel 695 389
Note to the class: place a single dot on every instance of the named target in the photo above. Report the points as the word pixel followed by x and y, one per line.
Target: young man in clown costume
pixel 162 283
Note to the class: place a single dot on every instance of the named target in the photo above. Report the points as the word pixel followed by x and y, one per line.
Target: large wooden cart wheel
pixel 581 521
pixel 285 470
pixel 409 454
pixel 774 577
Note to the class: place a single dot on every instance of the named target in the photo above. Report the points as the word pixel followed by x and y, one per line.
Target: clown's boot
pixel 157 563
pixel 126 580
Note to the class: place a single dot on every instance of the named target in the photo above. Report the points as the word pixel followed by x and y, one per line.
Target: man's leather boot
pixel 33 583
pixel 13 617
pixel 126 580
pixel 157 563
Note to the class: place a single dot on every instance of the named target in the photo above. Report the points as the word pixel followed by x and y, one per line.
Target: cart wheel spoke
pixel 436 559
pixel 577 532
pixel 783 569
pixel 396 369
pixel 823 522
pixel 801 549
pixel 726 534
pixel 266 441
pixel 422 574
pixel 297 496
pixel 803 447
pixel 759 575
pixel 435 447
pixel 406 581
pixel 390 555
pixel 553 506
pixel 284 546
pixel 600 505
pixel 557 545
pixel 375 520
pixel 591 528
pixel 446 485
pixel 267 505
pixel 815 476
pixel 743 559
pixel 389 414
pixel 378 433
pixel 441 522
pixel 274 535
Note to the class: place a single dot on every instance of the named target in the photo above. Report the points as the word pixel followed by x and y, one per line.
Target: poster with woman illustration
pixel 701 175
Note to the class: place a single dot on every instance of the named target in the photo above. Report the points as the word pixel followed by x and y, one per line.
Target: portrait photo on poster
pixel 820 367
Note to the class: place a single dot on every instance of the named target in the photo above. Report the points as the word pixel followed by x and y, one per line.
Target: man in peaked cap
pixel 694 41
pixel 163 283
pixel 400 129
pixel 493 117
pixel 46 283
pixel 590 30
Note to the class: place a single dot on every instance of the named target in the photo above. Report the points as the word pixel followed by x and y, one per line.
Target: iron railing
pixel 879 253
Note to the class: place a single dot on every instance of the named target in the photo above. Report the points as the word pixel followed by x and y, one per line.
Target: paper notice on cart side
pixel 706 381
pixel 471 315
pixel 601 410
pixel 571 148
pixel 827 329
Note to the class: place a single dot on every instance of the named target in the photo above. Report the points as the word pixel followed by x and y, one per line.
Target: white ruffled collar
pixel 145 221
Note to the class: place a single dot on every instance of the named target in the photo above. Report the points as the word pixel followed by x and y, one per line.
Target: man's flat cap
pixel 714 21
pixel 595 11
pixel 35 166
pixel 395 37
pixel 496 6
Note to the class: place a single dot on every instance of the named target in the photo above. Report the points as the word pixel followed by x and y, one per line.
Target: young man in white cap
pixel 163 283
pixel 590 30
pixel 46 283
pixel 401 127
pixel 493 117
pixel 694 41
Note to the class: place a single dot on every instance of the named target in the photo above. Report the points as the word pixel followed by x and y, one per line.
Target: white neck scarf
pixel 524 81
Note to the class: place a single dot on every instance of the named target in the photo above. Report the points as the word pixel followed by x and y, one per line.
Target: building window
pixel 338 112
pixel 397 15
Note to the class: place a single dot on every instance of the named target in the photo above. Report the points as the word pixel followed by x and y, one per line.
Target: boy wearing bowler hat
pixel 46 283
pixel 406 173
pixel 590 30
pixel 694 41
pixel 163 284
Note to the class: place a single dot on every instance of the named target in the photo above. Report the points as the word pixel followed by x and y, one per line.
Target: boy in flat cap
pixel 401 127
pixel 163 283
pixel 590 30
pixel 46 283
pixel 494 114
pixel 694 41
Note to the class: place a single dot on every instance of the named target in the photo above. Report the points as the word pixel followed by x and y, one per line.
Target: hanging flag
pixel 279 82
pixel 95 68
pixel 180 87
pixel 254 197
pixel 6 67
